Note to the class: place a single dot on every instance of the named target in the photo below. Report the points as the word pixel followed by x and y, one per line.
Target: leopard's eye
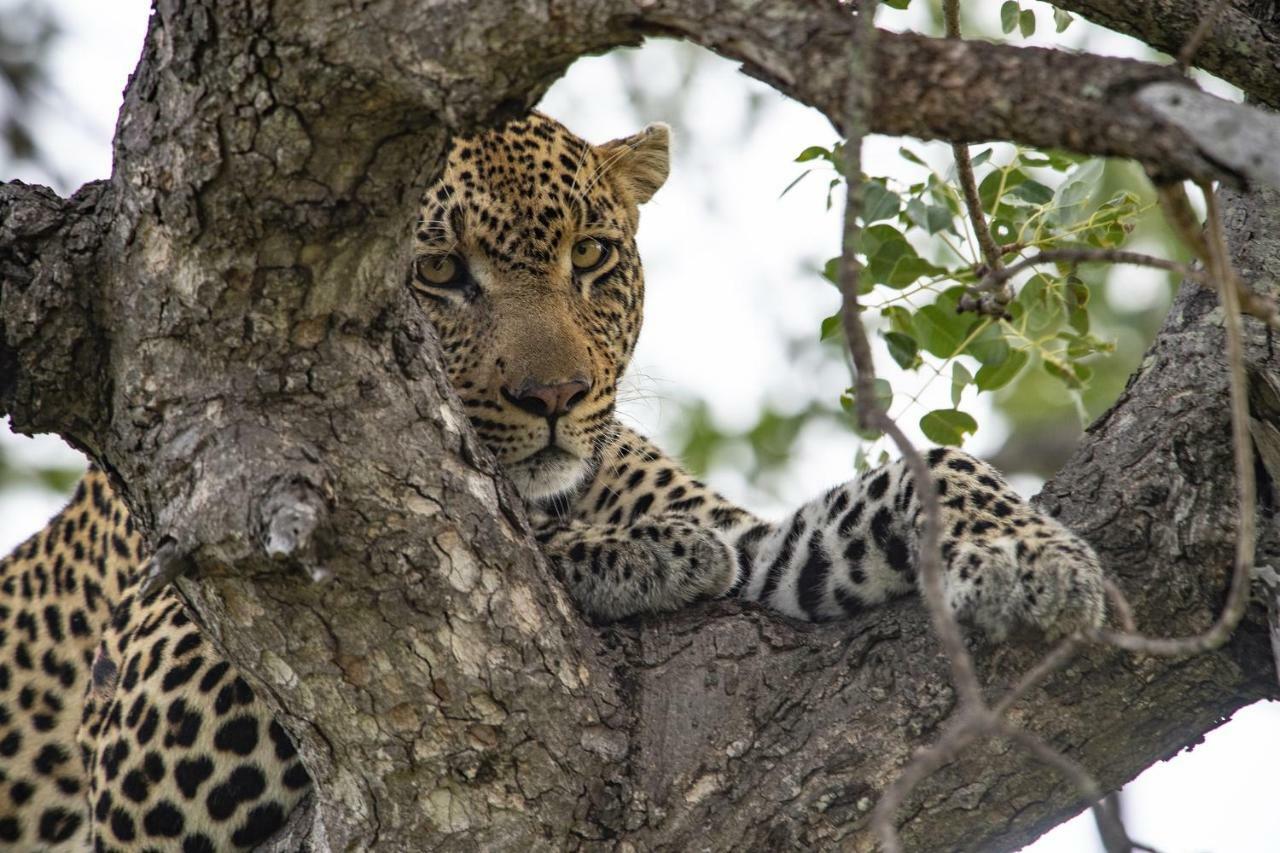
pixel 589 253
pixel 439 269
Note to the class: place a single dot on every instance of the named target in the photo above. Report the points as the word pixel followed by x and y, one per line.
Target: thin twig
pixel 926 761
pixel 1197 37
pixel 857 103
pixel 1228 284
pixel 1254 304
pixel 1046 666
pixel 1119 605
pixel 1084 256
pixel 1180 215
pixel 868 408
pixel 964 167
pixel 869 414
pixel 1110 829
pixel 975 719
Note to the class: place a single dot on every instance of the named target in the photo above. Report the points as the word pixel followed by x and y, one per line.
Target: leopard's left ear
pixel 639 163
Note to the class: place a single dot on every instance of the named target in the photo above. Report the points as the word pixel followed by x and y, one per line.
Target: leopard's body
pixel 121 728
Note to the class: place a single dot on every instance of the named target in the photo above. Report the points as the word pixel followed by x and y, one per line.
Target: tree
pixel 223 326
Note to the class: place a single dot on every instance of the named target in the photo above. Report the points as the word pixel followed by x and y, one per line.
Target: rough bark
pixel 223 325
pixel 1243 46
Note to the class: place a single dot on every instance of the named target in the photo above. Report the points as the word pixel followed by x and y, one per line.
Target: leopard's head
pixel 526 263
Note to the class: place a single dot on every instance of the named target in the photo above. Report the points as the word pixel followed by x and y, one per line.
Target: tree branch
pixel 1242 47
pixel 273 404
pixel 51 351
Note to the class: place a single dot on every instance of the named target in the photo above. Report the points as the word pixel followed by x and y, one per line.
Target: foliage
pixel 27 32
pixel 919 255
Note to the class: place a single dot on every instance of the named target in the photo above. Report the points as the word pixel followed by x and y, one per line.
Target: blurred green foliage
pixel 1065 351
pixel 53 478
pixel 28 32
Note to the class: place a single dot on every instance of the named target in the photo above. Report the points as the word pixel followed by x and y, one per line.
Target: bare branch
pixel 964 170
pixel 1205 25
pixel 51 353
pixel 1243 46
pixel 1254 304
pixel 1244 144
pixel 1110 829
pixel 1228 285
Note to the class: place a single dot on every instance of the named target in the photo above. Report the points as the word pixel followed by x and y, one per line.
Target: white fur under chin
pixel 541 477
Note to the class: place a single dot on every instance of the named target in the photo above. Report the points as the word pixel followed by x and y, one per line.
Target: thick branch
pixel 51 353
pixel 811 723
pixel 1242 47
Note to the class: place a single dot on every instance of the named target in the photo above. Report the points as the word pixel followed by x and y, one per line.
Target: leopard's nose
pixel 547 400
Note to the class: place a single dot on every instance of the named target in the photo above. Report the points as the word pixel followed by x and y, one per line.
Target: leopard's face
pixel 526 263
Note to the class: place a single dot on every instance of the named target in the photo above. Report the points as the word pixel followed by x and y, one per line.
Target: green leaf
pixel 1078 346
pixel 884 398
pixel 1065 374
pixel 990 188
pixel 931 217
pixel 891 259
pixel 1009 16
pixel 960 377
pixel 1034 192
pixel 1003 230
pixel 938 332
pixel 831 188
pixel 981 157
pixel 903 349
pixel 989 347
pixel 1061 19
pixel 1027 23
pixel 878 202
pixel 899 318
pixel 1076 195
pixel 910 269
pixel 1064 160
pixel 896 4
pixel 911 157
pixel 1077 298
pixel 1043 302
pixel 948 426
pixel 791 185
pixel 832 327
pixel 1078 318
pixel 831 272
pixel 813 152
pixel 991 377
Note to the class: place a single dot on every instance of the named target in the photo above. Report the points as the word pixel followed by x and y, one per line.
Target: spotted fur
pixel 121 728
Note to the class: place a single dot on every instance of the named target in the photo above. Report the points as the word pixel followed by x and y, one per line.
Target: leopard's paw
pixel 1046 578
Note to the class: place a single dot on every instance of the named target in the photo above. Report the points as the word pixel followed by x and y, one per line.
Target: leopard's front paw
pixel 1046 578
pixel 697 561
pixel 1062 584
pixel 717 564
pixel 651 567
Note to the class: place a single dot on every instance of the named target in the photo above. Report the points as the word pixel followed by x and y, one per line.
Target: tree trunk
pixel 224 326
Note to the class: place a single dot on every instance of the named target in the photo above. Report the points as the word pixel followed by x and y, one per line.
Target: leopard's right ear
pixel 639 163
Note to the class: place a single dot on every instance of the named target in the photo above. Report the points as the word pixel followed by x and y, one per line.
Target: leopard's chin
pixel 548 473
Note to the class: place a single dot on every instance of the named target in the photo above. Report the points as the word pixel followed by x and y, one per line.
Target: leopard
pixel 123 728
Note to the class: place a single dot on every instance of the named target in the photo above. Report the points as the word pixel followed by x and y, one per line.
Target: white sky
pixel 730 282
